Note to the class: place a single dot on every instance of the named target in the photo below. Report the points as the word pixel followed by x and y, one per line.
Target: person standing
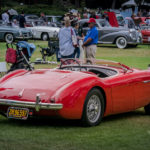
pixel 77 49
pixel 67 40
pixel 43 17
pixel 5 17
pixel 22 20
pixel 90 42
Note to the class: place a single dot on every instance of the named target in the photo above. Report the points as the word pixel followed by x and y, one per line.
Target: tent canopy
pixel 130 3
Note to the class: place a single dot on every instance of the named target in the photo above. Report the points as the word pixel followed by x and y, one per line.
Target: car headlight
pixel 131 30
pixel 132 35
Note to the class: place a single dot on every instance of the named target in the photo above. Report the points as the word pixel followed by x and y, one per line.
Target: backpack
pixel 11 56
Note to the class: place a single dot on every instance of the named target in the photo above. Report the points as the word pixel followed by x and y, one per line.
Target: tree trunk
pixel 77 3
pixel 114 4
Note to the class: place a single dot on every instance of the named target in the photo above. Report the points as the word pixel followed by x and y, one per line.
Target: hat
pixel 91 20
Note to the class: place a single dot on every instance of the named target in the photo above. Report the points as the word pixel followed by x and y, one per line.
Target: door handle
pixel 147 81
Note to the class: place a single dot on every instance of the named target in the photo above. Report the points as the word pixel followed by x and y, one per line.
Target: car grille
pixel 26 34
pixel 134 35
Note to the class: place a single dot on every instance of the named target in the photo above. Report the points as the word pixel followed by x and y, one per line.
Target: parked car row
pixel 10 34
pixel 123 36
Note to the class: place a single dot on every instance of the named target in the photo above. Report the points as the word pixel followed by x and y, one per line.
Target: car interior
pixel 99 71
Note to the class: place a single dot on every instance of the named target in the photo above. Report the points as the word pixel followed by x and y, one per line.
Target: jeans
pixel 77 52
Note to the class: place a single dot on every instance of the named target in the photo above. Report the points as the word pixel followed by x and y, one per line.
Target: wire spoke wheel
pixel 93 108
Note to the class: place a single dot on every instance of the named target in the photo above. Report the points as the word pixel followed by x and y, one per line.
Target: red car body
pixel 63 92
pixel 145 30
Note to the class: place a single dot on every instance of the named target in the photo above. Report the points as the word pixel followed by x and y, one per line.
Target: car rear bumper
pixel 36 105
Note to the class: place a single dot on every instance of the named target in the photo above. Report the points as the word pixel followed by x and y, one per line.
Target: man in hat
pixel 90 42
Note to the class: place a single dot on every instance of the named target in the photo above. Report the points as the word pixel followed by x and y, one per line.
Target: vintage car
pixel 120 36
pixel 9 34
pixel 145 29
pixel 74 91
pixel 42 31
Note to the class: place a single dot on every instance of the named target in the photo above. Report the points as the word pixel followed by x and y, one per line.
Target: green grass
pixel 129 131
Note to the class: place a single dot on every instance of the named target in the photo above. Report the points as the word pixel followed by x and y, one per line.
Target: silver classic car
pixel 120 36
pixel 42 31
pixel 10 34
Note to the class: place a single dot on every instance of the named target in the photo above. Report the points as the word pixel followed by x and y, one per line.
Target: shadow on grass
pixel 115 47
pixel 53 122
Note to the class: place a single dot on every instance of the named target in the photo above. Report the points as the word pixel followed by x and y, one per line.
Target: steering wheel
pixel 69 61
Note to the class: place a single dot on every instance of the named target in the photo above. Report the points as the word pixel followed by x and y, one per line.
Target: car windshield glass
pixel 57 19
pixel 33 17
pixel 39 23
pixel 119 18
pixel 104 23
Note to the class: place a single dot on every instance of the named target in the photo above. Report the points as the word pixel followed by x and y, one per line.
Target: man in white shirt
pixel 5 17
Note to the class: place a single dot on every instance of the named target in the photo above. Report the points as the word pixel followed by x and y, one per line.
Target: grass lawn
pixel 129 131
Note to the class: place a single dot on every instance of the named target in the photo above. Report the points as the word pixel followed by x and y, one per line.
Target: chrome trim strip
pixel 37 105
pixel 146 81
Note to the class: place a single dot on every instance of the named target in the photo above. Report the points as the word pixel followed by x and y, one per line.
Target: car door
pixel 141 88
pixel 122 93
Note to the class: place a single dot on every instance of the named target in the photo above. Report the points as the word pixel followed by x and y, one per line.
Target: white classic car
pixel 43 32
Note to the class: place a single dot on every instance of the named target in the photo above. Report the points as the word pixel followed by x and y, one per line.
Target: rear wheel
pixel 93 108
pixel 9 38
pixel 147 109
pixel 44 36
pixel 121 42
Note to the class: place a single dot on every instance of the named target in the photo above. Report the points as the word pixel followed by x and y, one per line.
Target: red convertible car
pixel 145 30
pixel 75 91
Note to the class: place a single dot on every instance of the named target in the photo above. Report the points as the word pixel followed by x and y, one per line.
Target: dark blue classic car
pixel 10 34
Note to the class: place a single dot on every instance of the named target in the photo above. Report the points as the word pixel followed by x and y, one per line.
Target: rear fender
pixel 73 96
pixel 13 74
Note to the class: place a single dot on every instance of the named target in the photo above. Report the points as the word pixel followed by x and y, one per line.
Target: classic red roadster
pixel 74 91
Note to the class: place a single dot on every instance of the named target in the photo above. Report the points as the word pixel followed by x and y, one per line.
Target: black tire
pixel 9 38
pixel 45 36
pixel 121 42
pixel 86 121
pixel 147 109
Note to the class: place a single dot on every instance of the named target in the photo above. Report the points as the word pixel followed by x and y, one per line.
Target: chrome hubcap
pixel 93 108
pixel 45 37
pixel 121 42
pixel 9 38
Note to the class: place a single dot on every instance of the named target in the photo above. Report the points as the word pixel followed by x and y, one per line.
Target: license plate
pixel 17 113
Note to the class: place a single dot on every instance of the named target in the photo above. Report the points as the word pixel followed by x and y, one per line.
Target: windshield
pixel 32 17
pixel 57 19
pixel 104 23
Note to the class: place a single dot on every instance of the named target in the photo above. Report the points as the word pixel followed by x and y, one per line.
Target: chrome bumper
pixel 36 105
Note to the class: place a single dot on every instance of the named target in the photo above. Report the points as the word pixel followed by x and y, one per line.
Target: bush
pixel 36 9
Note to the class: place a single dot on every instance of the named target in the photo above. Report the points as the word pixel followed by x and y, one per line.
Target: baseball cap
pixel 91 20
